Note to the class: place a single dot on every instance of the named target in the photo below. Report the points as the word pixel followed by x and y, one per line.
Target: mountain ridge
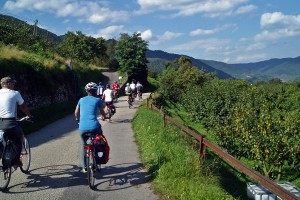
pixel 286 69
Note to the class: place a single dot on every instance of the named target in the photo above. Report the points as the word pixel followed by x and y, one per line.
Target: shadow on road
pixel 51 177
pixel 121 176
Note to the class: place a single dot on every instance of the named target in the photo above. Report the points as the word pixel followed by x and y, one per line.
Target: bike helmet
pixel 127 83
pixel 91 86
pixel 115 81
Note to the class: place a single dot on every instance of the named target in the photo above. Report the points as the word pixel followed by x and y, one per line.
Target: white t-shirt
pixel 132 86
pixel 108 94
pixel 8 103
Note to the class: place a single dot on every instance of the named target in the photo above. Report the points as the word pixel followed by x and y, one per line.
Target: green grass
pixel 173 163
pixel 46 115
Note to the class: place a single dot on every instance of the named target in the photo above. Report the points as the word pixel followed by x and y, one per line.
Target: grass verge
pixel 174 166
pixel 47 115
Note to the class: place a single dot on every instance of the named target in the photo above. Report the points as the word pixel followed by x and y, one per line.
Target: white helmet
pixel 91 86
pixel 127 83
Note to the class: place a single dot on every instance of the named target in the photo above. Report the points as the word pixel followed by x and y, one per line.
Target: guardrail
pixel 204 143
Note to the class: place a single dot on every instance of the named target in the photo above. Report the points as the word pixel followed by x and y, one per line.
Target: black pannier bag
pixel 9 155
pixel 101 149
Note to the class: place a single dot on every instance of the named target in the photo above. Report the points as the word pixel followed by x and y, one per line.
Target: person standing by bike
pixel 86 114
pixel 9 100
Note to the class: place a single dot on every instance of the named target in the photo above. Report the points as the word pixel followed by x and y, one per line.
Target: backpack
pixel 101 149
pixel 129 90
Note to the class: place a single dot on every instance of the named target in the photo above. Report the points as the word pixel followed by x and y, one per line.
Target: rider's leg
pixel 17 137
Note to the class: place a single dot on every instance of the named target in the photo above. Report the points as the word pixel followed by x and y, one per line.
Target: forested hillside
pixel 286 69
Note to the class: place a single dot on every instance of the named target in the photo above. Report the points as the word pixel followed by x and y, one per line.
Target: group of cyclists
pixel 86 110
pixel 88 106
pixel 133 90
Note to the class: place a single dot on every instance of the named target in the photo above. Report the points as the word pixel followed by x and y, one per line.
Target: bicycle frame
pixel 5 178
pixel 90 159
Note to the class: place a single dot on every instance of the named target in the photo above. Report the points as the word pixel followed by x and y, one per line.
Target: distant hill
pixel 158 58
pixel 8 20
pixel 287 69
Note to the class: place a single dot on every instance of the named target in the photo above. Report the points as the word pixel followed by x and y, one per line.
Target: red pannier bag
pixel 101 149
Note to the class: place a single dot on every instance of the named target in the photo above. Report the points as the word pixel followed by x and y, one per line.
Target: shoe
pixel 84 170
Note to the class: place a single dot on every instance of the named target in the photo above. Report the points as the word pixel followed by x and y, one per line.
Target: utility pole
pixel 35 27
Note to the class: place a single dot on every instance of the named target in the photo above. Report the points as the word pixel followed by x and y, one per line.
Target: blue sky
pixel 231 31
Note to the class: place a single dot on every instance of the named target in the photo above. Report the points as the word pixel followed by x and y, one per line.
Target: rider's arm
pixel 25 109
pixel 77 113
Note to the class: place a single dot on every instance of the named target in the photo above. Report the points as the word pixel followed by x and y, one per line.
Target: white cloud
pixel 158 39
pixel 210 8
pixel 212 31
pixel 277 25
pixel 277 19
pixel 93 12
pixel 255 46
pixel 208 45
pixel 146 35
pixel 109 32
pixel 245 9
pixel 248 58
pixel 276 35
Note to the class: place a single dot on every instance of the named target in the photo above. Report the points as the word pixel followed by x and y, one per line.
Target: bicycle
pixel 130 101
pixel 90 158
pixel 108 111
pixel 8 149
pixel 116 95
pixel 139 95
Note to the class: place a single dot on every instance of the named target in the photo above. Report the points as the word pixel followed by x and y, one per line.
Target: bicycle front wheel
pixel 25 156
pixel 90 165
pixel 5 176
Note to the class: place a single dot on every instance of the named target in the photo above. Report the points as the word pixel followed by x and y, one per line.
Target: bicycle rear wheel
pixel 25 156
pixel 90 165
pixel 5 176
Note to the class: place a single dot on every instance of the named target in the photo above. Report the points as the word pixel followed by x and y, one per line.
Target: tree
pixel 83 48
pixel 131 55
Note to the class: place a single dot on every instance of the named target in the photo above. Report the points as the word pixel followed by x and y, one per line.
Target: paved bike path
pixel 123 177
pixel 55 172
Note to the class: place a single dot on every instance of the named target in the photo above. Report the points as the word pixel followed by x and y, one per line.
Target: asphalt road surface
pixel 55 165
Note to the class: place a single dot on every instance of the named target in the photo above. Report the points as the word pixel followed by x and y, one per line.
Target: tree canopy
pixel 131 55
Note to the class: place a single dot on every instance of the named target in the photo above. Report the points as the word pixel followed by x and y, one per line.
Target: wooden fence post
pixel 202 150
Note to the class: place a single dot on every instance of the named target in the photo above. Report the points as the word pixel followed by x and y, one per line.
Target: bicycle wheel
pixel 129 103
pixel 25 156
pixel 5 176
pixel 90 170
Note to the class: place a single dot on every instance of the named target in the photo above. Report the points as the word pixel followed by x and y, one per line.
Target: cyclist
pixel 86 115
pixel 8 109
pixel 133 89
pixel 100 90
pixel 116 88
pixel 139 88
pixel 128 92
pixel 108 96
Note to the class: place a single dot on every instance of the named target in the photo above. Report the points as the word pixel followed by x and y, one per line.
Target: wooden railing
pixel 204 143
